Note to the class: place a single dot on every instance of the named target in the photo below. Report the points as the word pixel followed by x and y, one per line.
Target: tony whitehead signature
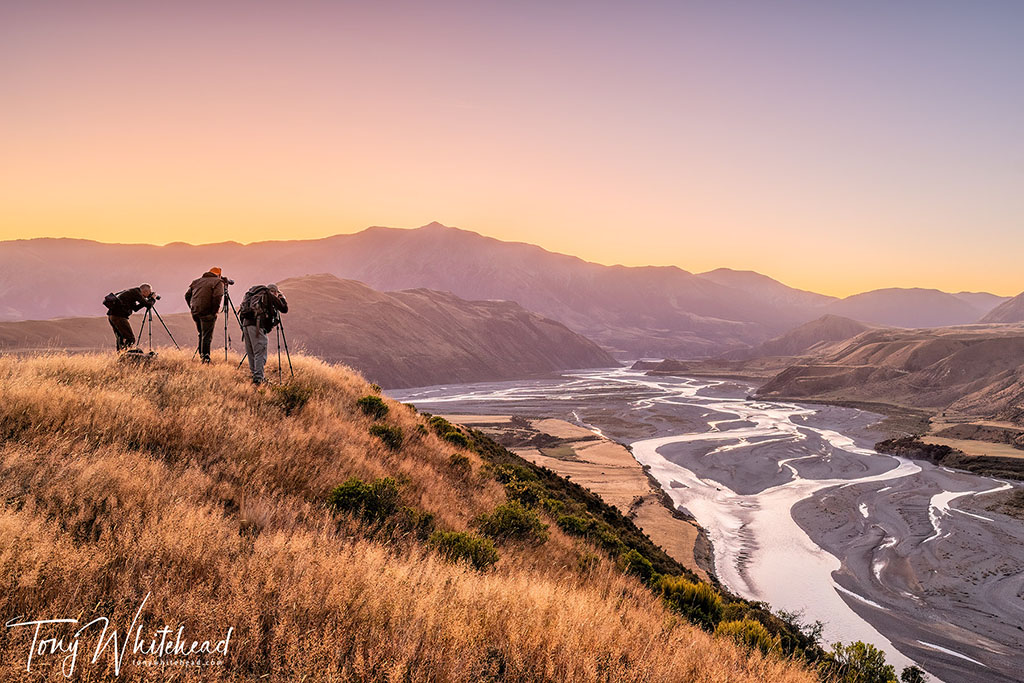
pixel 51 637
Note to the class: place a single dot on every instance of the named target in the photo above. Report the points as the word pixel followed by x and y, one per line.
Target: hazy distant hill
pixel 805 338
pixel 764 288
pixel 636 311
pixel 397 339
pixel 1010 311
pixel 909 308
pixel 983 301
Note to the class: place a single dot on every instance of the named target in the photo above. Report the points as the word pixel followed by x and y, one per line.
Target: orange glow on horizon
pixel 668 136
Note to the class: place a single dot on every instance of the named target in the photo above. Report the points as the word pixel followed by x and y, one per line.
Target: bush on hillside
pixel 374 502
pixel 528 493
pixel 456 438
pixel 512 521
pixel 858 662
pixel 749 633
pixel 391 436
pixel 700 603
pixel 634 563
pixel 374 406
pixel 461 546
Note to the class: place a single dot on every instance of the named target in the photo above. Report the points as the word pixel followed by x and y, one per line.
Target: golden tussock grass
pixel 183 482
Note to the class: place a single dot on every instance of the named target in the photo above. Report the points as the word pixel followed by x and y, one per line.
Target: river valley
pixel 804 515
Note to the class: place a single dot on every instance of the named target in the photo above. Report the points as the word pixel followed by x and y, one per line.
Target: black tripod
pixel 229 305
pixel 148 316
pixel 280 336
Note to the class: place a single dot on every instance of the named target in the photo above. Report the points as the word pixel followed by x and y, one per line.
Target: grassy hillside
pixel 237 507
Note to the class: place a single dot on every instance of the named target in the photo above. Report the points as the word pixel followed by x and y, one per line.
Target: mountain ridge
pixel 632 311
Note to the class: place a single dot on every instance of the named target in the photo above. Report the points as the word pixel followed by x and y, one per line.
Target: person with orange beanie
pixel 204 297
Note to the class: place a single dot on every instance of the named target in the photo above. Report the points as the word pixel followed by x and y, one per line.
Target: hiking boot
pixel 205 360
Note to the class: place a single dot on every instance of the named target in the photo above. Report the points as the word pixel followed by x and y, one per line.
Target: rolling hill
pixel 397 339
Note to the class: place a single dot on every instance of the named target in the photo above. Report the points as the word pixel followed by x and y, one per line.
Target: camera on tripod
pixel 226 280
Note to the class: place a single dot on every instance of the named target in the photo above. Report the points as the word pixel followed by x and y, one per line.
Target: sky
pixel 836 146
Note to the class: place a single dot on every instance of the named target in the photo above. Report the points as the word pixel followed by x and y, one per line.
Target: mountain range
pixel 397 339
pixel 631 311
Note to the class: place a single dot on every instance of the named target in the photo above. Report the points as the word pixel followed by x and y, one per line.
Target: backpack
pixel 254 305
pixel 111 300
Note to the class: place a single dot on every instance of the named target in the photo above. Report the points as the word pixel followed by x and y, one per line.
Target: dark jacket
pixel 204 295
pixel 260 306
pixel 127 302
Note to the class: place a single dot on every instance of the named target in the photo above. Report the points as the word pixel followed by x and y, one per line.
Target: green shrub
pixel 506 473
pixel 374 406
pixel 460 546
pixel 512 521
pixel 573 525
pixel 858 662
pixel 748 633
pixel 391 436
pixel 440 425
pixel 552 507
pixel 526 492
pixel 373 502
pixel 913 674
pixel 457 438
pixel 698 602
pixel 460 465
pixel 632 562
pixel 291 397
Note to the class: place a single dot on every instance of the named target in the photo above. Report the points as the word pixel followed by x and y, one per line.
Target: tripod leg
pixel 160 318
pixel 142 328
pixel 279 353
pixel 227 299
pixel 280 326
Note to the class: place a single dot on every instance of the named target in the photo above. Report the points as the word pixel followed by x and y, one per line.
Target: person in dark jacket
pixel 204 297
pixel 120 307
pixel 260 312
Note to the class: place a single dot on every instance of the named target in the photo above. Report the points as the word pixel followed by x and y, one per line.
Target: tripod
pixel 279 325
pixel 148 316
pixel 280 336
pixel 229 304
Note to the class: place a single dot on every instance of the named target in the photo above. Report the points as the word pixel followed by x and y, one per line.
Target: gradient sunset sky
pixel 837 146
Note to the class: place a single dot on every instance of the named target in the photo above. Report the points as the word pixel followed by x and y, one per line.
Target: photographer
pixel 204 297
pixel 120 307
pixel 259 314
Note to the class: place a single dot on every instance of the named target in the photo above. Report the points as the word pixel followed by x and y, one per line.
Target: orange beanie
pixel 215 270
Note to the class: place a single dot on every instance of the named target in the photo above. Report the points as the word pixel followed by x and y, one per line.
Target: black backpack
pixel 254 307
pixel 111 300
